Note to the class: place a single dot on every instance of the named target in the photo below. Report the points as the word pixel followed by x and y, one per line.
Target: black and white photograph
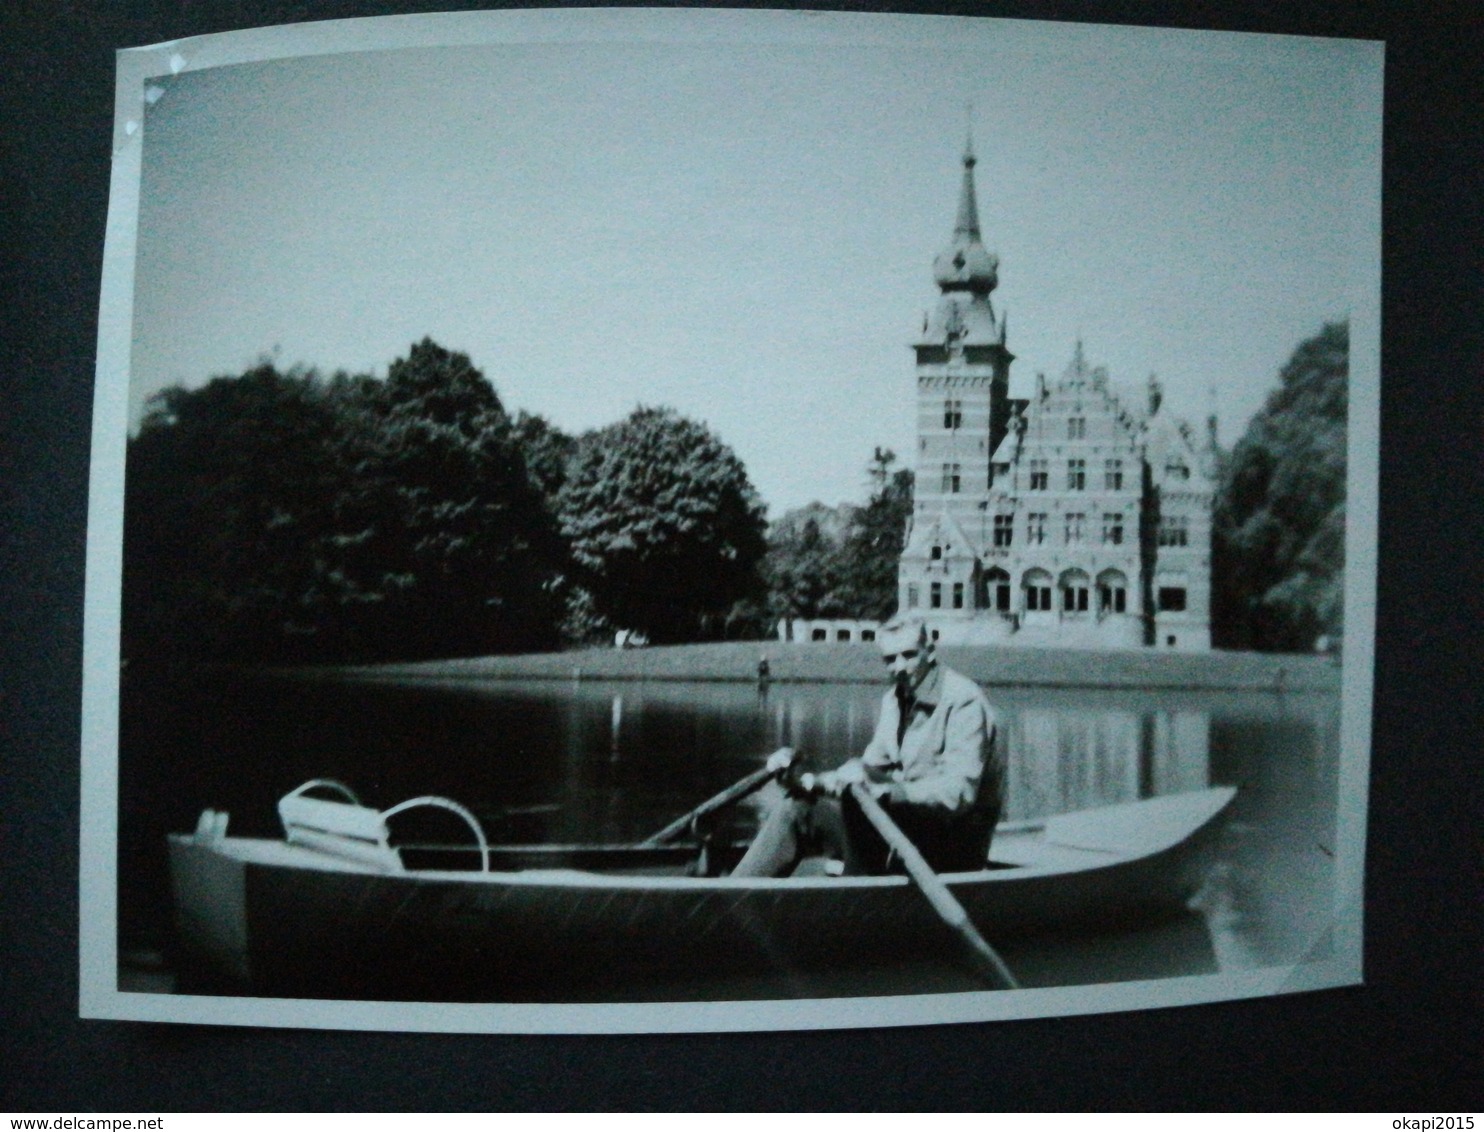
pixel 638 521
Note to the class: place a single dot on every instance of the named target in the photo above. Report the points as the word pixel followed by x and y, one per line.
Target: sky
pixel 745 230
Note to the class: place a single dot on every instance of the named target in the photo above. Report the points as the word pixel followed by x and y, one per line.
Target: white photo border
pixel 98 959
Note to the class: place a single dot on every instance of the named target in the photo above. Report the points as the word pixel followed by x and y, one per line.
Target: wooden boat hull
pixel 269 918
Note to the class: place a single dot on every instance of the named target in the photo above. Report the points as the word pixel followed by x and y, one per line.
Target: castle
pixel 1073 517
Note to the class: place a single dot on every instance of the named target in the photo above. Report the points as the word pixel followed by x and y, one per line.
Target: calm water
pixel 611 762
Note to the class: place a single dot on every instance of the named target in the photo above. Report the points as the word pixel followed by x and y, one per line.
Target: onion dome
pixel 965 265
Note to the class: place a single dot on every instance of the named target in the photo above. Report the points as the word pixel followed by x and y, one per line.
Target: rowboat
pixel 337 909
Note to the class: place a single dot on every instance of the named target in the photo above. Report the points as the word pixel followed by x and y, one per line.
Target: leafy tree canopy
pixel 1279 545
pixel 805 569
pixel 842 561
pixel 442 388
pixel 547 450
pixel 283 516
pixel 874 540
pixel 663 524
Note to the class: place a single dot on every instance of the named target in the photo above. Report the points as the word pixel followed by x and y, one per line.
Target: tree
pixel 842 561
pixel 874 540
pixel 466 539
pixel 227 509
pixel 279 516
pixel 1278 546
pixel 547 451
pixel 804 570
pixel 663 524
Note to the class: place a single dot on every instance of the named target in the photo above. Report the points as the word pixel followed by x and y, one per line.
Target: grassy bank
pixel 827 662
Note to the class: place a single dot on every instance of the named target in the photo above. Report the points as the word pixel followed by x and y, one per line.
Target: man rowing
pixel 932 764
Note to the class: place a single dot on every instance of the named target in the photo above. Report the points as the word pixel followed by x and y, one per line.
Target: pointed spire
pixel 967 222
pixel 965 265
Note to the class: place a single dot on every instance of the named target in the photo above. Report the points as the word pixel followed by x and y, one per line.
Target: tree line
pixel 1278 530
pixel 288 516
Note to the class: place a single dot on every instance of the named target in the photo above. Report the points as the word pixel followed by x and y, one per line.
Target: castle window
pixel 958 595
pixel 1175 469
pixel 1113 529
pixel 952 478
pixel 935 596
pixel 1113 475
pixel 936 554
pixel 819 635
pixel 1073 587
pixel 1076 523
pixel 1004 529
pixel 1112 592
pixel 1174 530
pixel 1040 474
pixel 953 414
pixel 1172 599
pixel 1076 475
pixel 842 634
pixel 1037 591
pixel 997 590
pixel 1076 428
pixel 912 597
pixel 1035 528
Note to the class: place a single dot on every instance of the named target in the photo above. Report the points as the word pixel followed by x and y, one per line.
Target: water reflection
pixel 1066 754
pixel 586 760
pixel 1062 758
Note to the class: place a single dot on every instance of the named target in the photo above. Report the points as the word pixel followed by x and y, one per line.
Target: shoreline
pixel 849 663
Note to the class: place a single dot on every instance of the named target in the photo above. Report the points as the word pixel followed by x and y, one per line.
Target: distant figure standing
pixel 932 764
pixel 764 672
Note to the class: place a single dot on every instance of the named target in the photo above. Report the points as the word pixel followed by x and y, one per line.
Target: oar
pixel 986 961
pixel 733 793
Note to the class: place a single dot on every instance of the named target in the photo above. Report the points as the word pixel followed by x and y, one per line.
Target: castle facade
pixel 1079 516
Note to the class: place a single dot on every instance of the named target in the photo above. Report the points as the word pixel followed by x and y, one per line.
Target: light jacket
pixel 946 759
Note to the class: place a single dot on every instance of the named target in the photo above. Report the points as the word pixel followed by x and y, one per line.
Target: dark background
pixel 1408 1040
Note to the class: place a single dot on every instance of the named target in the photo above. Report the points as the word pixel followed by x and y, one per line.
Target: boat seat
pixel 351 831
pixel 343 829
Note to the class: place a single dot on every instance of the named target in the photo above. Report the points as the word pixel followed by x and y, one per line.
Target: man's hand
pixel 780 760
pixel 836 782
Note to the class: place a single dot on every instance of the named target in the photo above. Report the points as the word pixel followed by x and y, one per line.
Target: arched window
pixel 1112 592
pixel 1037 587
pixel 997 590
pixel 1074 586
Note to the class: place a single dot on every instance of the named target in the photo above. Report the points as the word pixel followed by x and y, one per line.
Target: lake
pixel 584 760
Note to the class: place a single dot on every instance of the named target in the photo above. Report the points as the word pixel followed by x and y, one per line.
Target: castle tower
pixel 963 367
pixel 963 410
pixel 1075 517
